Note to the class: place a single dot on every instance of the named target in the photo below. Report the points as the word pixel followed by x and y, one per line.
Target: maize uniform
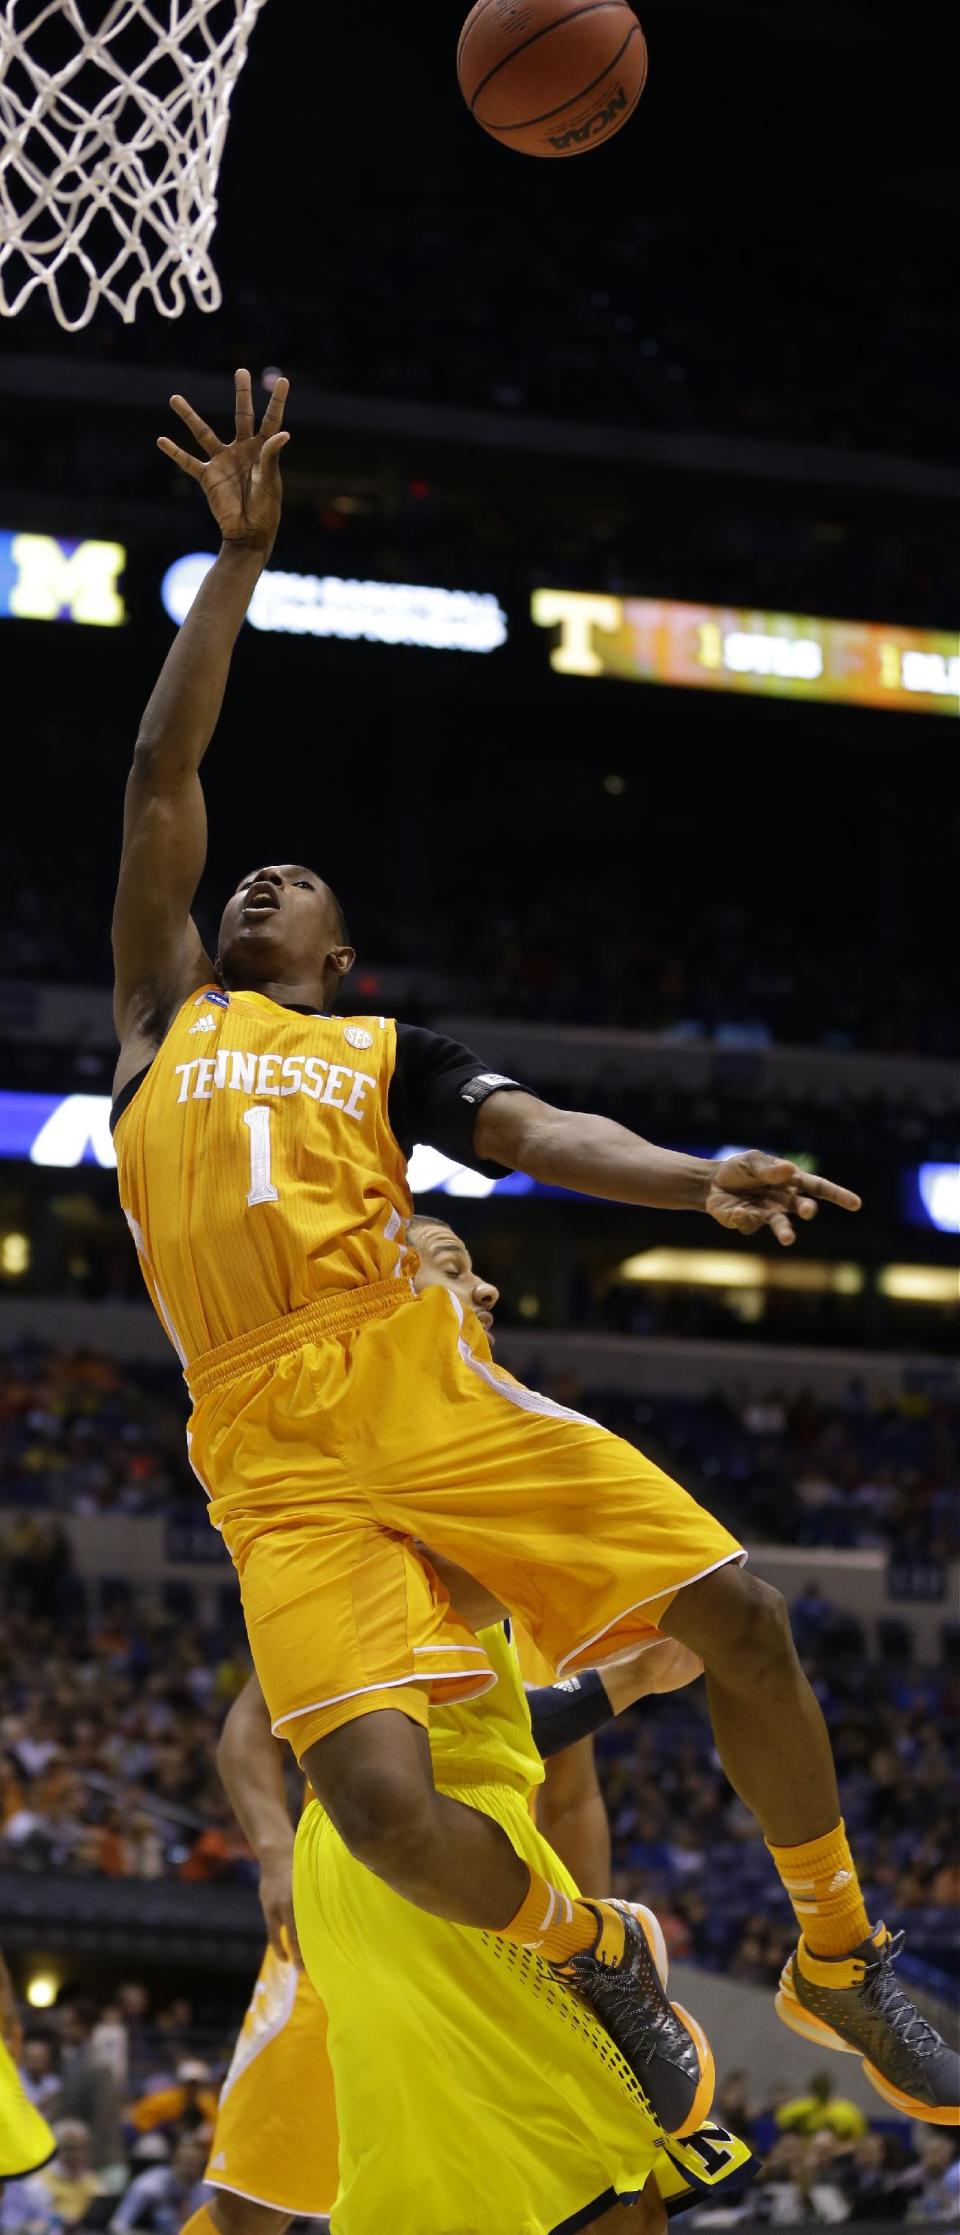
pixel 26 2141
pixel 473 2091
pixel 276 2140
pixel 277 2134
pixel 336 1415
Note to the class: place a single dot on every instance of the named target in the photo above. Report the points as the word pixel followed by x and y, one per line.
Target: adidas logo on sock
pixel 840 1878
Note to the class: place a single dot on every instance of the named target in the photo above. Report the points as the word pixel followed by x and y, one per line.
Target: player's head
pixel 445 1262
pixel 284 927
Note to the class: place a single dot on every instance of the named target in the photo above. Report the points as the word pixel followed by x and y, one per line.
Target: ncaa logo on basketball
pixel 357 1037
pixel 594 125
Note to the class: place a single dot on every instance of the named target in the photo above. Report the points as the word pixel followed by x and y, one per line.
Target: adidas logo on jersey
pixel 204 1024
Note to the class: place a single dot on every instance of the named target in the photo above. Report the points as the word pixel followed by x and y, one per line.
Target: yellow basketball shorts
pixel 473 2091
pixel 26 2141
pixel 327 1448
pixel 275 2140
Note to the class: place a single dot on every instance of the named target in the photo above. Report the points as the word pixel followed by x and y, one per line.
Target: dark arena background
pixel 607 666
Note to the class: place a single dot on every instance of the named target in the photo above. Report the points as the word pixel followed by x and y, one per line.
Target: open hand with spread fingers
pixel 240 479
pixel 754 1190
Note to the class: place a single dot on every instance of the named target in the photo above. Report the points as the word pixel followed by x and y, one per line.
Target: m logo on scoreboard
pixel 57 578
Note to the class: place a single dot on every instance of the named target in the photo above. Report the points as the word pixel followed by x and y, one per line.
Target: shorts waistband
pixel 337 1314
pixel 465 1775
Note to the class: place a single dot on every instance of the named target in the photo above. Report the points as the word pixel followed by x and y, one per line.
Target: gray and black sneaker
pixel 856 2003
pixel 623 1978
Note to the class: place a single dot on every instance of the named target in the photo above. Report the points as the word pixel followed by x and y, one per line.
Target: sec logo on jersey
pixel 357 1037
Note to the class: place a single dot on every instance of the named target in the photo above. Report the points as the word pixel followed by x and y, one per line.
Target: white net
pixel 113 115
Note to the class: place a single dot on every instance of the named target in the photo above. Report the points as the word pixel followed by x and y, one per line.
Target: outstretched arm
pixel 158 954
pixel 251 1765
pixel 572 1148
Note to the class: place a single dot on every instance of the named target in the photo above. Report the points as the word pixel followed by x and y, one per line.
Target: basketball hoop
pixel 113 116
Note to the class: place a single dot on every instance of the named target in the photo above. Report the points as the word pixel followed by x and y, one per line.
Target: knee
pixel 380 1812
pixel 747 1634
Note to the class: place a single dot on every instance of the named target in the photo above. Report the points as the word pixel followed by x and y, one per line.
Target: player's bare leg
pixel 770 1732
pixel 374 1778
pixel 839 1989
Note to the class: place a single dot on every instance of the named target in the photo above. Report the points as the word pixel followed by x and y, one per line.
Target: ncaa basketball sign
pixel 402 613
pixel 57 578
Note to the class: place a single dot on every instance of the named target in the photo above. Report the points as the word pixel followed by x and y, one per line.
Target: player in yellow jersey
pixel 444 2145
pixel 337 1418
pixel 445 2124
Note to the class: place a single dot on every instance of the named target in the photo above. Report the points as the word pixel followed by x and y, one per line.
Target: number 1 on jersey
pixel 261 1186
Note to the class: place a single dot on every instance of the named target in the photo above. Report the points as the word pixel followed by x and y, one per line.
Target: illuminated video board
pixel 399 613
pixel 780 655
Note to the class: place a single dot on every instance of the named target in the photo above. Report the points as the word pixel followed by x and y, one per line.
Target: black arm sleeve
pixel 562 1713
pixel 437 1088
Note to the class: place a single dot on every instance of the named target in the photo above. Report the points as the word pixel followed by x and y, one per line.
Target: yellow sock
pixel 200 2223
pixel 823 1886
pixel 550 1922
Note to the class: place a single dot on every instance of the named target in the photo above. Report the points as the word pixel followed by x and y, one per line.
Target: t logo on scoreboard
pixel 57 578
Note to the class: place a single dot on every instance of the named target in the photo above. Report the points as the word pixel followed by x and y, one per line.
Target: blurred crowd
pixel 132 2105
pixel 108 1728
pixel 80 1433
pixel 823 2162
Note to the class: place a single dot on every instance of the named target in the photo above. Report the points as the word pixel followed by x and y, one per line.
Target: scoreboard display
pixel 573 632
pixel 723 648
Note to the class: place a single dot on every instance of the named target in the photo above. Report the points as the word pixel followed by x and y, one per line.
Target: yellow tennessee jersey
pixel 259 1161
pixel 488 1740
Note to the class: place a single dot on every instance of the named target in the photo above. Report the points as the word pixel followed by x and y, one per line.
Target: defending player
pixel 261 1146
pixel 444 2124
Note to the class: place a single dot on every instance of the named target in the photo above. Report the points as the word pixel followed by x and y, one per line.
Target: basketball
pixel 552 77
